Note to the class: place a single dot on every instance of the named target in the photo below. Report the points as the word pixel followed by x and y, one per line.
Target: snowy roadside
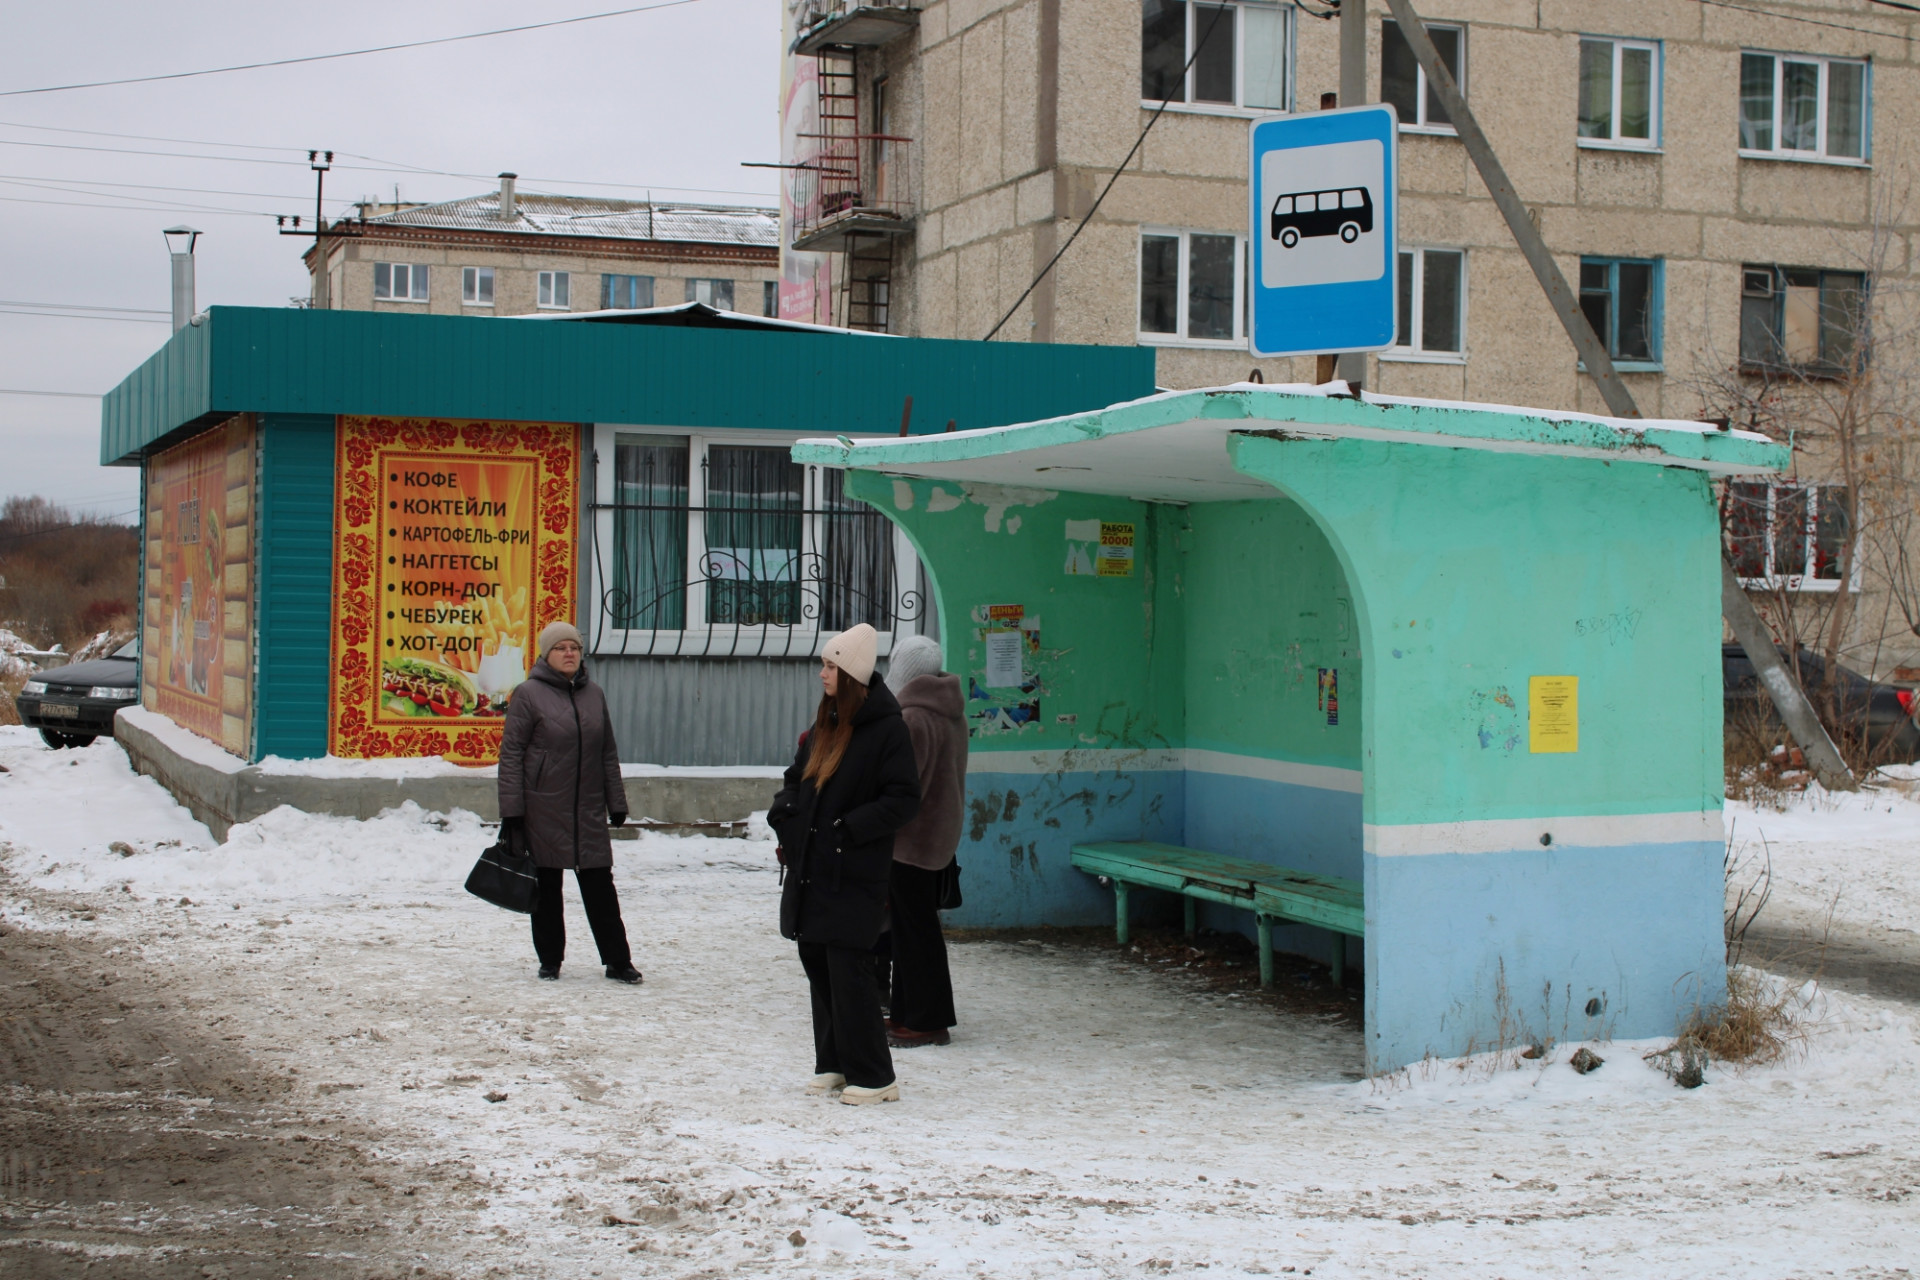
pixel 1854 854
pixel 1091 1118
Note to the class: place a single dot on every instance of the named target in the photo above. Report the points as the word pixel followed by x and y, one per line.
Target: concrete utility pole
pixel 1352 366
pixel 1788 698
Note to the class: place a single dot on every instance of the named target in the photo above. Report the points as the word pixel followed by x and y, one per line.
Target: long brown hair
pixel 833 729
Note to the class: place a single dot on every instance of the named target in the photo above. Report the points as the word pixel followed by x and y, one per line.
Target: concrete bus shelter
pixel 1335 634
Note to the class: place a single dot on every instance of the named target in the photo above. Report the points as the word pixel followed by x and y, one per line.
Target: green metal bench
pixel 1271 893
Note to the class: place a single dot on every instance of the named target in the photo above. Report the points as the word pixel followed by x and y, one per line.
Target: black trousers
pixel 849 1035
pixel 922 997
pixel 597 895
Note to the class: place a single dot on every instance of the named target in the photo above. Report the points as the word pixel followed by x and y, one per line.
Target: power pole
pixel 1748 628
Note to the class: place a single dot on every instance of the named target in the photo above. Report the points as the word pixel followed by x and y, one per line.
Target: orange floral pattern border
pixel 355 670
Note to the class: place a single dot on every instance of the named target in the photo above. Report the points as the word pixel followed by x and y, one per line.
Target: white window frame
pixel 1656 123
pixel 1819 155
pixel 697 638
pixel 1179 338
pixel 470 278
pixel 1800 582
pixel 417 281
pixel 551 283
pixel 1420 83
pixel 1405 352
pixel 1236 109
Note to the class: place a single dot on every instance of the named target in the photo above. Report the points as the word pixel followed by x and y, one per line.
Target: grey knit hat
pixel 554 632
pixel 913 657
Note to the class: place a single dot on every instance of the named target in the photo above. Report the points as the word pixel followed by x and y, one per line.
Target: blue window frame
pixel 1622 301
pixel 625 292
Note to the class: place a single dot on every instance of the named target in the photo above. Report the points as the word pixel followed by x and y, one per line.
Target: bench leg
pixel 1264 927
pixel 1188 904
pixel 1339 965
pixel 1121 933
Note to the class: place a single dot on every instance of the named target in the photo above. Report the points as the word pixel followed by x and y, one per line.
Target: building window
pixel 1803 106
pixel 1621 297
pixel 626 293
pixel 1791 535
pixel 399 282
pixel 717 294
pixel 476 286
pixel 770 298
pixel 1404 83
pixel 1190 287
pixel 734 548
pixel 1242 61
pixel 1619 92
pixel 1433 304
pixel 554 288
pixel 1801 319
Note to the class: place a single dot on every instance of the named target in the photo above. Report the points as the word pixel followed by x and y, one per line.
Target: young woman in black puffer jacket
pixel 852 785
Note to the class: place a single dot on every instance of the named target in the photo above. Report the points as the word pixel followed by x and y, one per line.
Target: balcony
pixel 839 24
pixel 853 187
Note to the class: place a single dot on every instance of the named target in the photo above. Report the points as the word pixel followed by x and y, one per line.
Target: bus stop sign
pixel 1324 231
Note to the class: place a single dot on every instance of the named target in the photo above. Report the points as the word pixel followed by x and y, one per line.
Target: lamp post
pixel 180 242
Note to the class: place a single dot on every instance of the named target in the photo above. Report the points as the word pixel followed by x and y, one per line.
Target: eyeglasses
pixel 565 646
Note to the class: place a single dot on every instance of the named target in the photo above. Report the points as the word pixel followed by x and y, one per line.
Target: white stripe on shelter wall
pixel 1510 835
pixel 1166 760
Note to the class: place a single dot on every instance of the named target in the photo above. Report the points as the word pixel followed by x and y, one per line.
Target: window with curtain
pixel 856 579
pixel 1432 303
pixel 649 570
pixel 1619 92
pixel 1403 81
pixel 1244 54
pixel 625 293
pixel 1787 531
pixel 1803 106
pixel 755 499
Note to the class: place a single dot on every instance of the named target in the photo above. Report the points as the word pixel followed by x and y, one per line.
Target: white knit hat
pixel 913 657
pixel 554 632
pixel 854 651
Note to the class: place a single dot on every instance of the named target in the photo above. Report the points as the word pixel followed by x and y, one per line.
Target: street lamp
pixel 180 241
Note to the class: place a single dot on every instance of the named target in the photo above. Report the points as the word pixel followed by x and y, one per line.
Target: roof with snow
pixel 1173 446
pixel 597 217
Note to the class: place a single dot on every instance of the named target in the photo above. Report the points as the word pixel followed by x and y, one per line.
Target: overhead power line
pixel 75 395
pixel 62 315
pixel 1816 22
pixel 346 53
pixel 81 306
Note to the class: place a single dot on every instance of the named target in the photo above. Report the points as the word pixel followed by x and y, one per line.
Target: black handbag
pixel 505 878
pixel 950 899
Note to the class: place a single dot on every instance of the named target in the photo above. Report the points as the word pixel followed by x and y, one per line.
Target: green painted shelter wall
pixel 1266 607
pixel 287 360
pixel 295 615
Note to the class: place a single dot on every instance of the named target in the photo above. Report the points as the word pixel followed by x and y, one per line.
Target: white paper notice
pixel 1003 659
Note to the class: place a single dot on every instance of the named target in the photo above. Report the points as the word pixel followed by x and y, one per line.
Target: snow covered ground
pixel 1856 854
pixel 1091 1119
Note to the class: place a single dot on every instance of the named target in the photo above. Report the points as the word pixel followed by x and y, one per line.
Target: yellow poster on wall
pixel 197 655
pixel 454 546
pixel 1553 713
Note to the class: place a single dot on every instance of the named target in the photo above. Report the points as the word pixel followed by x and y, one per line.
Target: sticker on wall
pixel 1553 713
pixel 1083 540
pixel 1116 550
pixel 1009 643
pixel 1329 694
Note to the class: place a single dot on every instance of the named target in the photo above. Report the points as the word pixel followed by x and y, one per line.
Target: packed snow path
pixel 1091 1118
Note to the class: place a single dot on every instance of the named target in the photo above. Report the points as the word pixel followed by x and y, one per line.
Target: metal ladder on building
pixel 866 276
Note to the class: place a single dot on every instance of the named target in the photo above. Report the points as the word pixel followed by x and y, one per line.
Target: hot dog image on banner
pixel 454 546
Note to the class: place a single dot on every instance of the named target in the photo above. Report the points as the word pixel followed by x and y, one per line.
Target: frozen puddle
pixel 1091 1118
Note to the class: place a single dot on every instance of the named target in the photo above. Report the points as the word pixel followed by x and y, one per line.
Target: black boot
pixel 551 972
pixel 627 974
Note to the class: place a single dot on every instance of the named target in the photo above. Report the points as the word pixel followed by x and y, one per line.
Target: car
pixel 74 704
pixel 1851 706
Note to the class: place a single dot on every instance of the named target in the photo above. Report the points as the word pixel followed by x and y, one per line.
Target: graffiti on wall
pixel 454 546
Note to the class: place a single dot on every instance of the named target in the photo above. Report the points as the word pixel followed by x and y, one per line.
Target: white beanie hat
pixel 554 632
pixel 854 651
pixel 913 657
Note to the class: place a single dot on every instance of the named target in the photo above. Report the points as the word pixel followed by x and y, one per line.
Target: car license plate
pixel 59 710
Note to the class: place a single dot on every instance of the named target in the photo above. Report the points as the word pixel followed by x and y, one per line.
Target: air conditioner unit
pixel 1756 284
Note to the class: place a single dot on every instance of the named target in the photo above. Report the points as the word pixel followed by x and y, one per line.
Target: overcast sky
pixel 670 101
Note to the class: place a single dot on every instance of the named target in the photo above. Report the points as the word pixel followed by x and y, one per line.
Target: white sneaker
pixel 855 1095
pixel 826 1082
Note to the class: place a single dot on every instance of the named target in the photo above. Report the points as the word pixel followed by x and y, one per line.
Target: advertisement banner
pixel 806 279
pixel 197 655
pixel 455 543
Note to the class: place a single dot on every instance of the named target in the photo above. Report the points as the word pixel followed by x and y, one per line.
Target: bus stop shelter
pixel 1465 655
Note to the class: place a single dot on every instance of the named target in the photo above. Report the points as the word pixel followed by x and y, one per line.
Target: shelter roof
pixel 690 315
pixel 594 216
pixel 1172 446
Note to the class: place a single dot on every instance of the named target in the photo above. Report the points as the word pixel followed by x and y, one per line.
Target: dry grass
pixel 9 686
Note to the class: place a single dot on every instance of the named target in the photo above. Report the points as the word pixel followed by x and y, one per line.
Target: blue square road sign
pixel 1324 231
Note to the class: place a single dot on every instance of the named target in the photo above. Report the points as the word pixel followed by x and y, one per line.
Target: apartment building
pixel 1722 182
pixel 507 252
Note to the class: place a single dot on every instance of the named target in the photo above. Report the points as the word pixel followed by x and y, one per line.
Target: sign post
pixel 1324 231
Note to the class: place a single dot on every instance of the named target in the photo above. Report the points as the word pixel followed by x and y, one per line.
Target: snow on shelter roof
pixel 1173 446
pixel 607 219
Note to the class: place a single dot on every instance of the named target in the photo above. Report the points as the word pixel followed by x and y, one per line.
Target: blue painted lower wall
pixel 1469 951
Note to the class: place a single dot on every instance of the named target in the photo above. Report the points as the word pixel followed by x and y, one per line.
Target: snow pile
pixel 14 662
pixel 1856 852
pixel 101 646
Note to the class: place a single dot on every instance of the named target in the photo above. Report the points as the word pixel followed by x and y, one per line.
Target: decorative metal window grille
pixel 718 549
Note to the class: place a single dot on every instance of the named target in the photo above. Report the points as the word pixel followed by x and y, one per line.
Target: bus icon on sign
pixel 1347 213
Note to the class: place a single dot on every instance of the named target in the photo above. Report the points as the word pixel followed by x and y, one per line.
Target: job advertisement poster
pixel 455 546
